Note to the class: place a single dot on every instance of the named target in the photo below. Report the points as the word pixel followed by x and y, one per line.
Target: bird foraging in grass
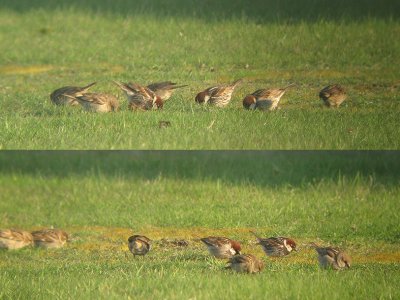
pixel 276 246
pixel 330 257
pixel 264 99
pixel 97 102
pixel 333 95
pixel 221 247
pixel 218 96
pixel 60 96
pixel 140 97
pixel 245 263
pixel 139 244
pixel 50 238
pixel 15 239
pixel 164 89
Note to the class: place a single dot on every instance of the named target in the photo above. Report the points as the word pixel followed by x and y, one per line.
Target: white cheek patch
pixel 232 251
pixel 206 98
pixel 287 246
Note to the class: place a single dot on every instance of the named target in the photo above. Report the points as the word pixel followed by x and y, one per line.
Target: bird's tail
pixel 289 86
pixel 236 82
pixel 85 88
pixel 180 86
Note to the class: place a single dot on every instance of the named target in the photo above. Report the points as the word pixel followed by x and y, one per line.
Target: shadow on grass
pixel 269 168
pixel 262 11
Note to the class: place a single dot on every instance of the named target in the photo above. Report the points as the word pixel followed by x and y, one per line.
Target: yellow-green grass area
pixel 49 44
pixel 344 199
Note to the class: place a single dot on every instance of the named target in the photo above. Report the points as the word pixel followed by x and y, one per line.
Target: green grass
pixel 50 44
pixel 349 199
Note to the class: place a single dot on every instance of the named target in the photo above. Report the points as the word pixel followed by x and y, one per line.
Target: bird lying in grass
pixel 15 239
pixel 60 96
pixel 218 96
pixel 276 246
pixel 50 238
pixel 221 247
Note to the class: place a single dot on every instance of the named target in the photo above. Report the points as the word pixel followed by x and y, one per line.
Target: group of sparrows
pixel 226 248
pixel 153 96
pixel 218 247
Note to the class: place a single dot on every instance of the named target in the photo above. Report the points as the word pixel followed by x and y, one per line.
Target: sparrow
pixel 140 97
pixel 59 96
pixel 50 238
pixel 333 95
pixel 164 89
pixel 139 244
pixel 276 246
pixel 264 99
pixel 97 102
pixel 15 239
pixel 219 96
pixel 330 257
pixel 245 263
pixel 221 247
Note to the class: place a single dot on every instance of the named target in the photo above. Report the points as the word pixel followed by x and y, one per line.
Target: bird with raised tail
pixel 60 96
pixel 164 89
pixel 218 96
pixel 221 247
pixel 139 244
pixel 265 99
pixel 15 239
pixel 245 263
pixel 97 102
pixel 276 246
pixel 140 97
pixel 50 238
pixel 330 257
pixel 333 95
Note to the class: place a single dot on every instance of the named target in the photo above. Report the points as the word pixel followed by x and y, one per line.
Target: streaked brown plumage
pixel 139 244
pixel 140 97
pixel 97 102
pixel 219 96
pixel 50 238
pixel 164 89
pixel 15 239
pixel 60 96
pixel 330 257
pixel 333 95
pixel 245 263
pixel 221 247
pixel 264 99
pixel 276 246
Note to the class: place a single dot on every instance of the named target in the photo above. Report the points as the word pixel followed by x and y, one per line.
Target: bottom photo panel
pixel 199 225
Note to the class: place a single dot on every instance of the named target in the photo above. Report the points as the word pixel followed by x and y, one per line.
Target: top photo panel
pixel 209 74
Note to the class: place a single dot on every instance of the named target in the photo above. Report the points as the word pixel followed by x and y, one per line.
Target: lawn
pixel 348 199
pixel 48 44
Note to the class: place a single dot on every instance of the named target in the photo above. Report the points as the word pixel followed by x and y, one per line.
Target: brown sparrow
pixel 221 247
pixel 333 95
pixel 96 102
pixel 245 263
pixel 15 239
pixel 50 238
pixel 164 89
pixel 140 97
pixel 59 96
pixel 219 96
pixel 276 246
pixel 330 257
pixel 139 244
pixel 264 99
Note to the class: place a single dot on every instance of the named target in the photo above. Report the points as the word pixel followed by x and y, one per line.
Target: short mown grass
pixel 347 199
pixel 48 44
